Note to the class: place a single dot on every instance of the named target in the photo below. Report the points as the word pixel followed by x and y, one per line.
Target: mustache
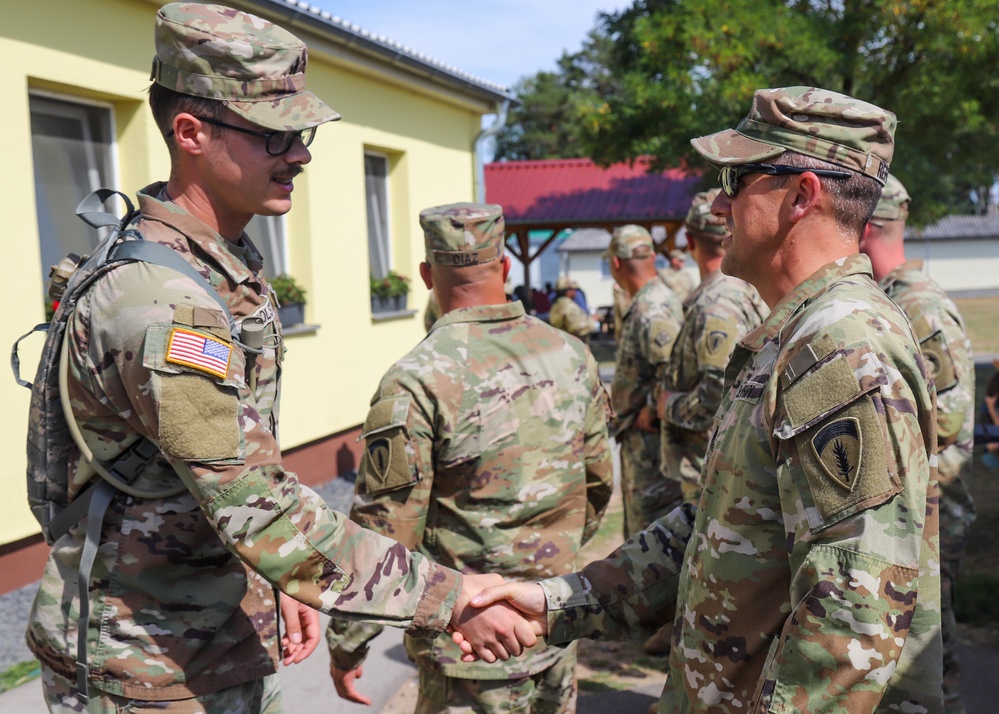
pixel 289 173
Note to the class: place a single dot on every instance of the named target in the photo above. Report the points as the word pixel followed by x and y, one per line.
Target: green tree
pixel 680 69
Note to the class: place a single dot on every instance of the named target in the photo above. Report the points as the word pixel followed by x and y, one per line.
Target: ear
pixel 427 276
pixel 506 267
pixel 804 195
pixel 189 133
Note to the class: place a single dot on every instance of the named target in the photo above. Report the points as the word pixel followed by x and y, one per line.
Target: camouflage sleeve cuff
pixel 349 642
pixel 563 595
pixel 443 586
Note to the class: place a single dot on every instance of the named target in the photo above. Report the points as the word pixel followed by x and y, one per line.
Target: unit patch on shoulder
pixel 198 351
pixel 380 457
pixel 838 446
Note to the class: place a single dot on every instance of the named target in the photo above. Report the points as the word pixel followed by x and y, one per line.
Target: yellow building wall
pixel 101 49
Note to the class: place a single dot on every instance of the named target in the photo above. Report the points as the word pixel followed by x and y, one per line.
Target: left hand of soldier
pixel 301 630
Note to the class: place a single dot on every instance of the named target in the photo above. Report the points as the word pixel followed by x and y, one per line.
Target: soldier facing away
pixel 804 580
pixel 939 328
pixel 676 276
pixel 485 450
pixel 648 330
pixel 185 591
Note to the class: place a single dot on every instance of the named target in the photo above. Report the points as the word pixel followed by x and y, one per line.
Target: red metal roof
pixel 577 191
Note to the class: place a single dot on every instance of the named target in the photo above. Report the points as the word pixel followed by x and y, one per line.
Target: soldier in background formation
pixel 648 331
pixel 808 582
pixel 676 276
pixel 946 349
pixel 185 591
pixel 719 312
pixel 568 316
pixel 485 450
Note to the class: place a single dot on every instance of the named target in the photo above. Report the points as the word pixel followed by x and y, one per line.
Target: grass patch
pixel 979 315
pixel 975 599
pixel 19 674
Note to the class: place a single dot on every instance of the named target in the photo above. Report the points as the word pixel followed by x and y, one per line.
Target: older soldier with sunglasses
pixel 804 581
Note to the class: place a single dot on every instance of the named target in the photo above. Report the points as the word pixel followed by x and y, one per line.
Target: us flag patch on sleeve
pixel 198 351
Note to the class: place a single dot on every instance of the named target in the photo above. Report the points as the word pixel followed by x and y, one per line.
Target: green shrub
pixel 287 290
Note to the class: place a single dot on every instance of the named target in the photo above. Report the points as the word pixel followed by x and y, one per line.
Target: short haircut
pixel 853 199
pixel 166 104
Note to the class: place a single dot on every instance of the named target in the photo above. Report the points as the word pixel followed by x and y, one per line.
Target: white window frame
pixel 273 237
pixel 76 105
pixel 383 242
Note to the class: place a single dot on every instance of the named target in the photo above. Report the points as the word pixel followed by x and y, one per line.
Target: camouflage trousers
pixel 552 691
pixel 957 513
pixel 682 461
pixel 261 696
pixel 647 494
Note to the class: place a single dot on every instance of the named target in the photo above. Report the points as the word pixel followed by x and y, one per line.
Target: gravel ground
pixel 14 606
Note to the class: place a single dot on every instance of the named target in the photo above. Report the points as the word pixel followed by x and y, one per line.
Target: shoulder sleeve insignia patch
pixel 380 458
pixel 838 446
pixel 198 351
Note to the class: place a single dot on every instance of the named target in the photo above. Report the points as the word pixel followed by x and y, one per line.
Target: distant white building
pixel 582 260
pixel 961 253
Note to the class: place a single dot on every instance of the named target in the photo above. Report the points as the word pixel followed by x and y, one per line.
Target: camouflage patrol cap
pixel 630 241
pixel 701 220
pixel 566 283
pixel 894 203
pixel 677 254
pixel 254 67
pixel 816 122
pixel 459 234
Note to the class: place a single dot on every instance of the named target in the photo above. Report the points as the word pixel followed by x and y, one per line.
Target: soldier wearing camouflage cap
pixel 676 276
pixel 566 314
pixel 486 450
pixel 942 337
pixel 808 583
pixel 185 591
pixel 649 327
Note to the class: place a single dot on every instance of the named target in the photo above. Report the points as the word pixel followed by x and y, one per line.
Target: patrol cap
pixel 701 221
pixel 565 283
pixel 630 241
pixel 816 122
pixel 254 67
pixel 460 234
pixel 894 203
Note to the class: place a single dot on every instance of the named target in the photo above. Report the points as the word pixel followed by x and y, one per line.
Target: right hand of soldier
pixel 343 680
pixel 496 632
pixel 528 598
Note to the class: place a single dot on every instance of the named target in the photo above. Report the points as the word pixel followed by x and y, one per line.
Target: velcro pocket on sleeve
pixel 838 441
pixel 197 408
pixel 389 461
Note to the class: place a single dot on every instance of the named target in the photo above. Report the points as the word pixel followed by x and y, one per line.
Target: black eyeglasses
pixel 278 142
pixel 729 176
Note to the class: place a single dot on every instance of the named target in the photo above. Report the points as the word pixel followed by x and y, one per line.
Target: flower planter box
pixel 291 314
pixel 381 304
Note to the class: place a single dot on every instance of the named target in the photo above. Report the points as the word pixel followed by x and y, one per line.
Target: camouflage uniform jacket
pixel 486 449
pixel 569 317
pixel 679 280
pixel 940 330
pixel 181 597
pixel 648 331
pixel 799 586
pixel 717 314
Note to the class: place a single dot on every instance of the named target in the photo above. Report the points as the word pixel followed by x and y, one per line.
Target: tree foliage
pixel 651 77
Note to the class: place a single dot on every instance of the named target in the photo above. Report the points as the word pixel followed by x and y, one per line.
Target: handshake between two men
pixel 501 620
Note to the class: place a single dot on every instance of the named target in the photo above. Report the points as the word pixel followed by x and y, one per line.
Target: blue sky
pixel 500 40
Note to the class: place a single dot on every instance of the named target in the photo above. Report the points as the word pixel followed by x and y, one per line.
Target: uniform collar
pixel 895 275
pixel 856 264
pixel 483 313
pixel 650 285
pixel 152 207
